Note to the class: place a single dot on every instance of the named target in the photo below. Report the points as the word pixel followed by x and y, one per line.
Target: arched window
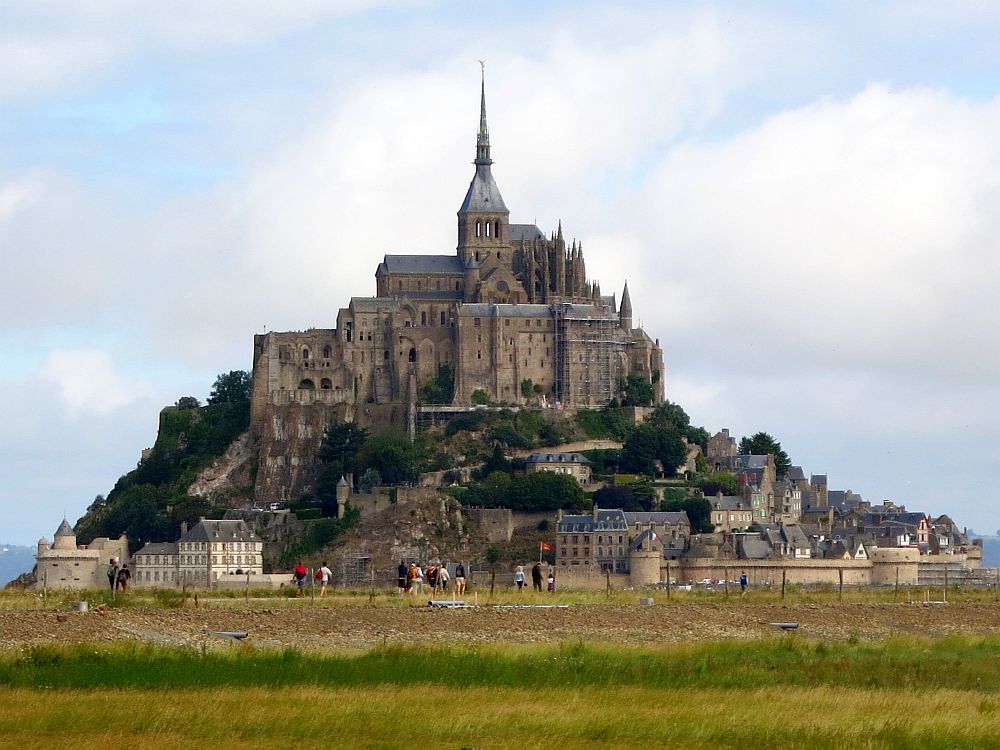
pixel 479 229
pixel 489 227
pixel 305 353
pixel 496 230
pixel 413 355
pixel 327 351
pixel 442 317
pixel 326 384
pixel 423 317
pixel 307 385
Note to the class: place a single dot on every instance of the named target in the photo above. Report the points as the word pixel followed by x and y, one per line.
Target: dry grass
pixel 498 718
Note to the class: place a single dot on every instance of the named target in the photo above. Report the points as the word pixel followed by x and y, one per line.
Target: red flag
pixel 546 547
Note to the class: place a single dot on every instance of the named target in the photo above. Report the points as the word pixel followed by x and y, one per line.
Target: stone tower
pixel 483 219
pixel 65 537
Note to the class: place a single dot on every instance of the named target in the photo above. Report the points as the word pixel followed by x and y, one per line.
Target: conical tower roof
pixel 483 194
pixel 625 310
pixel 65 529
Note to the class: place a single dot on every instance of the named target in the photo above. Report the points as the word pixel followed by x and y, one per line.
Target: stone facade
pixel 202 557
pixel 64 565
pixel 605 539
pixel 511 304
pixel 575 465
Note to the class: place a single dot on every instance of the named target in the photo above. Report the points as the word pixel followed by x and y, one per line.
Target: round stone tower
pixel 65 537
pixel 644 559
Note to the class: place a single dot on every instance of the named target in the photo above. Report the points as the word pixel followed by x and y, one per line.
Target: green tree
pixel 762 444
pixel 673 415
pixel 370 480
pixel 719 481
pixel 647 445
pixel 496 462
pixel 441 388
pixel 231 388
pixel 187 402
pixel 620 496
pixel 393 456
pixel 480 397
pixel 527 388
pixel 699 513
pixel 341 443
pixel 638 391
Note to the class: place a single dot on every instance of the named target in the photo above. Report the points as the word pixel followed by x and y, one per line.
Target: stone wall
pixel 496 524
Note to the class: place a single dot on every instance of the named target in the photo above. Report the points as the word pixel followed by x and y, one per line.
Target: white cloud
pixel 88 381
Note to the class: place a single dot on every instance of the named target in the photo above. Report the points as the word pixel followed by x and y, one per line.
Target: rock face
pixel 229 474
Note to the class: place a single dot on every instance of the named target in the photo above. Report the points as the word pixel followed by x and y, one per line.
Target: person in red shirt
pixel 300 576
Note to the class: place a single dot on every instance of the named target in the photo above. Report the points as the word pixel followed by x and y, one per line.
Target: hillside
pixel 14 561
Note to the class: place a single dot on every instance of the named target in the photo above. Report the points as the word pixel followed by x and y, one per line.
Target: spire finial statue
pixel 483 137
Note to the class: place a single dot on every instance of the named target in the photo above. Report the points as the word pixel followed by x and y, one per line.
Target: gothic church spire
pixel 483 137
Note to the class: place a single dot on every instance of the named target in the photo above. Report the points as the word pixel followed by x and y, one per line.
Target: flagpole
pixel 540 552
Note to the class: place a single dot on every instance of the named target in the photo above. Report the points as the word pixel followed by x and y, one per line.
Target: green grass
pixel 904 693
pixel 899 664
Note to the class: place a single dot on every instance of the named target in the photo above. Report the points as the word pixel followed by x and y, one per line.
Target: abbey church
pixel 511 304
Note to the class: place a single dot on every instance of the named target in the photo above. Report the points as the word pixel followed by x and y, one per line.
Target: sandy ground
pixel 358 627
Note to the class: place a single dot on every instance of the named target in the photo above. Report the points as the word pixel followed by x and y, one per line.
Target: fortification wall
pixel 768 572
pixel 496 524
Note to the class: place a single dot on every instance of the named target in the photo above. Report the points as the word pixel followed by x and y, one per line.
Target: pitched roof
pixel 662 517
pixel 557 458
pixel 219 531
pixel 421 264
pixel 158 548
pixel 525 232
pixel 65 529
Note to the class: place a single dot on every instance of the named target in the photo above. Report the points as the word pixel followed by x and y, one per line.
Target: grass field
pixel 786 693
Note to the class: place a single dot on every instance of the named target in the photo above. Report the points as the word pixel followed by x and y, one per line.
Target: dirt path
pixel 338 627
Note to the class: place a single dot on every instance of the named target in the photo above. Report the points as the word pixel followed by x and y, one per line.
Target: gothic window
pixel 413 355
pixel 423 318
pixel 307 385
pixel 305 354
pixel 496 232
pixel 442 317
pixel 488 227
pixel 479 231
pixel 327 351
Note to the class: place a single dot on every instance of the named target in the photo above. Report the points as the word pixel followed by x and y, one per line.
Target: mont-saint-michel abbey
pixel 510 305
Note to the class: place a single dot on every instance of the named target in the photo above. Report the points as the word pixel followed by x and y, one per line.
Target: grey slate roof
pixel 751 548
pixel 65 529
pixel 158 548
pixel 795 473
pixel 450 294
pixel 421 264
pixel 745 461
pixel 818 480
pixel 486 310
pixel 729 502
pixel 529 232
pixel 557 458
pixel 372 304
pixel 667 517
pixel 219 531
pixel 483 194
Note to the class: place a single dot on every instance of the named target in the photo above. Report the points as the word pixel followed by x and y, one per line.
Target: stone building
pixel 575 465
pixel 64 565
pixel 604 539
pixel 202 557
pixel 511 304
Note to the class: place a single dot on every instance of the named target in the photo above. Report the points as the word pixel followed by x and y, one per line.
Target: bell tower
pixel 483 219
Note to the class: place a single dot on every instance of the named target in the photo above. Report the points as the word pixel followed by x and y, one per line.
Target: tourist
pixel 460 579
pixel 416 580
pixel 536 576
pixel 299 576
pixel 124 575
pixel 432 575
pixel 113 574
pixel 324 574
pixel 519 577
pixel 552 583
pixel 442 579
pixel 743 582
pixel 401 577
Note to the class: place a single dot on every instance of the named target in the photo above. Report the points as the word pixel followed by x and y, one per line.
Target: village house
pixel 203 556
pixel 575 465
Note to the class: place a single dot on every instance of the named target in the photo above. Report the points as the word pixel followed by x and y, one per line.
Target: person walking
pixel 536 576
pixel 113 574
pixel 401 576
pixel 124 576
pixel 459 579
pixel 519 577
pixel 744 581
pixel 442 579
pixel 299 576
pixel 325 574
pixel 552 583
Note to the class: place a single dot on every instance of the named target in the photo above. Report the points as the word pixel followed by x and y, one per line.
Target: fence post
pixel 782 583
pixel 668 578
pixel 840 589
pixel 895 591
pixel 725 572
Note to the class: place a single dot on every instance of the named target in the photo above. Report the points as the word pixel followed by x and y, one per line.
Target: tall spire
pixel 483 138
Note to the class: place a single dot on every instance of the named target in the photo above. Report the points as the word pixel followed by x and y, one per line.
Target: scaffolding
pixel 355 571
pixel 588 348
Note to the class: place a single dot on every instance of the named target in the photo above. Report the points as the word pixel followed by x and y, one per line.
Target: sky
pixel 802 197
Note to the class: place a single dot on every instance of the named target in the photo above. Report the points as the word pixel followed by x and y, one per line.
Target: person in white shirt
pixel 325 574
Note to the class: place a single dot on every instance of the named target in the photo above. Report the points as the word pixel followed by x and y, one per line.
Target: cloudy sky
pixel 803 200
